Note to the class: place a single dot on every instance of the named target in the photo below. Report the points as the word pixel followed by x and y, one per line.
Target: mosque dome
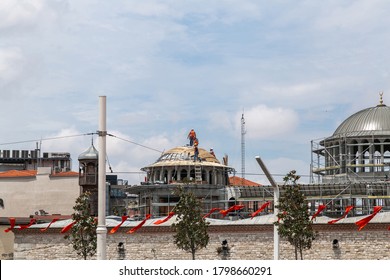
pixel 182 155
pixel 370 121
pixel 90 154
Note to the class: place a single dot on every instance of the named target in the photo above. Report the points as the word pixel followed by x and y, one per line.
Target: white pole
pixel 101 230
pixel 276 202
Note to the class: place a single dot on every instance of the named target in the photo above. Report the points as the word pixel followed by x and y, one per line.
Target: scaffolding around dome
pixel 356 158
pixel 358 150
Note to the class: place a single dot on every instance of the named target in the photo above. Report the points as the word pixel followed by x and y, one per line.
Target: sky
pixel 294 69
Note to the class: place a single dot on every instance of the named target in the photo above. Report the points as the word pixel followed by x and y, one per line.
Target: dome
pixel 182 156
pixel 370 121
pixel 89 154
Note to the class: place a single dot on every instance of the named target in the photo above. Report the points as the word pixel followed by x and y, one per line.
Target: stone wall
pixel 249 242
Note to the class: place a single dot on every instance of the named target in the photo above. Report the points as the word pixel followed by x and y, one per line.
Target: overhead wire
pixel 45 139
pixel 132 142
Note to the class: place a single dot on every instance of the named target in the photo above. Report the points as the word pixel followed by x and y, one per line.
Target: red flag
pixel 115 229
pixel 321 208
pixel 260 209
pixel 134 229
pixel 363 222
pixel 12 225
pixel 170 215
pixel 68 227
pixel 233 208
pixel 349 208
pixel 211 211
pixel 53 221
pixel 32 221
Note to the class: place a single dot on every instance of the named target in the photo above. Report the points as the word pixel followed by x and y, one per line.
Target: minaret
pixel 243 132
pixel 88 175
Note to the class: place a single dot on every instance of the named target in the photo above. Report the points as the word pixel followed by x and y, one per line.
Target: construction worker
pixel 192 136
pixel 196 142
pixel 196 153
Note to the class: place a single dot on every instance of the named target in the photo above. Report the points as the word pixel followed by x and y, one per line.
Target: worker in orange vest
pixel 196 153
pixel 191 136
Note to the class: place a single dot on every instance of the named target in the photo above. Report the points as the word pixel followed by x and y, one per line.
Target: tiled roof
pixel 65 174
pixel 33 173
pixel 238 181
pixel 18 173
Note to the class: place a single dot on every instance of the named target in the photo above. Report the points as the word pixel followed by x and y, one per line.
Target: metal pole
pixel 101 230
pixel 276 202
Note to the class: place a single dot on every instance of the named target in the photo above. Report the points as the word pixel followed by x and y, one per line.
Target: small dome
pixel 89 154
pixel 370 121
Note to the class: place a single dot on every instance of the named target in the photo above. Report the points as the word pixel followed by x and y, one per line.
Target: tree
pixel 294 217
pixel 190 226
pixel 83 232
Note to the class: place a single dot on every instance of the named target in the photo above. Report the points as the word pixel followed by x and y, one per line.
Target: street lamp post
pixel 101 230
pixel 276 203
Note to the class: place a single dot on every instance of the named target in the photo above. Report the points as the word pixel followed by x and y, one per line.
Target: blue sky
pixel 296 69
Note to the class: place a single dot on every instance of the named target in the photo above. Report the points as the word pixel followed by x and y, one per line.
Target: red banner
pixel 212 211
pixel 134 229
pixel 68 227
pixel 349 208
pixel 254 214
pixel 321 208
pixel 53 221
pixel 115 229
pixel 159 222
pixel 231 209
pixel 32 221
pixel 12 225
pixel 363 222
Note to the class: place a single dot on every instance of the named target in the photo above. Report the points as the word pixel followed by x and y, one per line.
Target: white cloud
pixel 14 13
pixel 25 15
pixel 11 65
pixel 262 122
pixel 356 16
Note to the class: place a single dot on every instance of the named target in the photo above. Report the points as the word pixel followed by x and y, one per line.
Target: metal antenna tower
pixel 243 132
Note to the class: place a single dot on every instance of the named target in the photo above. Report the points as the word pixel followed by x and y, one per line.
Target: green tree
pixel 83 233
pixel 294 217
pixel 190 227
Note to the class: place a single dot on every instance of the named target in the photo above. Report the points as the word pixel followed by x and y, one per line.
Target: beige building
pixel 38 192
pixel 34 193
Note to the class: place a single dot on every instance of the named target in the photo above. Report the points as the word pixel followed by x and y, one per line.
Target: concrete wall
pixel 245 242
pixel 24 196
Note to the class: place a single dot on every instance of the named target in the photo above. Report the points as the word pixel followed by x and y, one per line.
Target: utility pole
pixel 276 203
pixel 101 230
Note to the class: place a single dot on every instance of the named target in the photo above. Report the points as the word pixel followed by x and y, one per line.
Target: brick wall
pixel 245 242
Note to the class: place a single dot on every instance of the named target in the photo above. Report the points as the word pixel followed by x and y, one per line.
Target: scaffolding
pixel 340 159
